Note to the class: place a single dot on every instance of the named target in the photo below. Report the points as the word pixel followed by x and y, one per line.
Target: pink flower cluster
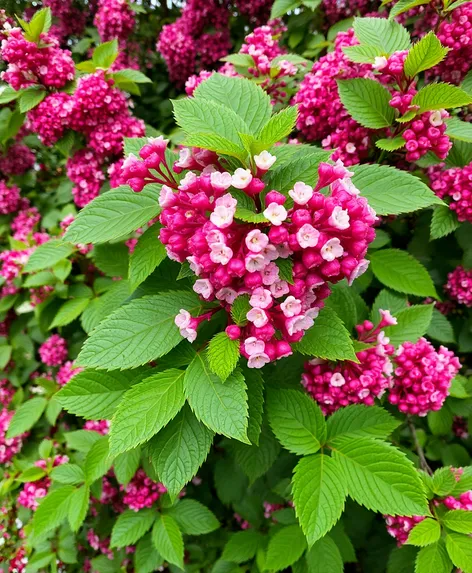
pixel 257 11
pixel 24 223
pixel 455 185
pixel 464 501
pixel 16 160
pixel 459 286
pixel 7 392
pixel 100 426
pixel 53 351
pixel 69 20
pixel 142 491
pixel 325 236
pixel 422 377
pixel 460 427
pixel 427 133
pixel 8 446
pixel 102 545
pixel 35 490
pixel 29 64
pixel 336 385
pixel 66 372
pixel 336 10
pixel 9 198
pixel 85 171
pixel 399 526
pixel 185 44
pixel 51 117
pixel 114 19
pixel 321 113
pixel 455 34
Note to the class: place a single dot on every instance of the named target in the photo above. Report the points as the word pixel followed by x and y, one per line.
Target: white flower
pixel 380 62
pixel 182 320
pixel 301 193
pixel 130 160
pixel 339 218
pixel 350 148
pixel 261 298
pixel 307 236
pixel 241 178
pixel 166 196
pixel 387 317
pixel 264 160
pixel 258 360
pixel 359 270
pixel 332 249
pixel 276 214
pixel 256 240
pixel 337 380
pixel 435 119
pixel 222 217
pixel 227 294
pixel 255 262
pixel 258 317
pixel 253 345
pixel 220 253
pixel 291 306
pixel 227 201
pixel 220 181
pixel 203 287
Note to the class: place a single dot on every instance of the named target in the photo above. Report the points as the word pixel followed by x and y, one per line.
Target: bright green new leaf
pixel 424 533
pixel 69 311
pixel 70 474
pixel 30 98
pixel 48 254
pixel 459 548
pixel 425 54
pixel 457 129
pixel 98 460
pixel 440 96
pixel 146 257
pixel 385 35
pixel 285 547
pixel 319 493
pixel 52 510
pixel 433 558
pixel 105 54
pixel 412 323
pixel 362 53
pixel 458 520
pixel 391 144
pixel 223 355
pixel 126 465
pixel 279 126
pixel 78 507
pixel 281 7
pixel 404 5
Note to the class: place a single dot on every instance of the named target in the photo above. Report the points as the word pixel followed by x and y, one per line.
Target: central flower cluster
pixel 280 264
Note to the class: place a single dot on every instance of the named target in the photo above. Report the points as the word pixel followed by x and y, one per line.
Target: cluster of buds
pixel 8 446
pixel 454 185
pixel 35 490
pixel 399 526
pixel 336 385
pixel 459 286
pixel 53 351
pixel 320 237
pixel 427 133
pixel 422 377
pixel 142 491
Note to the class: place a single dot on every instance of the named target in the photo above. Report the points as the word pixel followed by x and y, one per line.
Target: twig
pixel 419 448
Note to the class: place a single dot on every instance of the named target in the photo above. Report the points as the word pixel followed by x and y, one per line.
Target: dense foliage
pixel 236 286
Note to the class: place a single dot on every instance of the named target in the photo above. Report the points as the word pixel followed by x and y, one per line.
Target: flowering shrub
pixel 235 327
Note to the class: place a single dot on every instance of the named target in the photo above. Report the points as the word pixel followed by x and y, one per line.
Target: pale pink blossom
pixel 253 345
pixel 241 178
pixel 359 270
pixel 194 265
pixel 258 360
pixel 220 181
pixel 276 214
pixel 204 288
pixel 222 217
pixel 261 298
pixel 301 193
pixel 339 218
pixel 255 262
pixel 227 294
pixel 337 380
pixel 264 160
pixel 279 288
pixel 270 274
pixel 332 249
pixel 227 201
pixel 291 306
pixel 182 320
pixel 307 236
pixel 297 323
pixel 256 241
pixel 258 317
pixel 166 196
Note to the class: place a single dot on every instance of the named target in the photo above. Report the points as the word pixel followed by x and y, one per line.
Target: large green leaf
pixel 424 55
pixel 412 323
pixel 193 518
pixel 363 421
pixel 167 539
pixel 131 526
pixel 319 492
pixel 433 558
pixel 48 254
pixel 146 257
pixel 285 547
pixel 424 533
pixel 459 548
pixel 325 557
pixel 385 35
pixel 440 96
pixel 367 101
pixel 52 510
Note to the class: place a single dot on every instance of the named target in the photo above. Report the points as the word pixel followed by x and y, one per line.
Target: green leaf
pixel 193 518
pixel 126 465
pixel 440 328
pixel 167 539
pixel 112 260
pixel 358 420
pixel 255 395
pixel 328 338
pixel 440 96
pixel 222 407
pixel 319 492
pixel 26 416
pixel 62 269
pixel 424 533
pixel 402 559
pixel 425 54
pixel 216 143
pixel 145 409
pixel 70 474
pixel 249 102
pixel 324 557
pixel 8 94
pixel 48 254
pixel 459 548
pixel 466 84
pixel 239 60
pixel 105 54
pixel 138 332
pixel 391 144
pixel 400 271
pixel 412 323
pixel 391 191
pixel 242 546
pixel 97 461
pixel 458 520
pixel 94 395
pixel 367 101
pixel 433 558
pixel 131 526
pixel 457 129
pixel 285 270
pixel 281 7
pixel 404 5
pixel 131 75
pixel 179 450
pixel 254 460
pixel 146 558
pixel 285 547
pixel 239 309
pixel 296 420
pixel 114 214
pixel 31 474
pixel 5 355
pixel 69 311
pixel 279 126
pixel 385 35
pixel 443 223
pixel 40 23
pixel 101 307
pixel 388 300
pixel 78 507
pixel 362 53
pixel 223 355
pixel 30 98
pixel 379 476
pixel 52 510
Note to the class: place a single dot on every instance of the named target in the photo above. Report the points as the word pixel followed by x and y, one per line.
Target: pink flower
pixel 220 181
pixel 241 178
pixel 255 263
pixel 227 294
pixel 258 317
pixel 332 249
pixel 359 270
pixel 227 201
pixel 166 196
pixel 298 323
pixel 270 274
pixel 339 218
pixel 222 217
pixel 337 380
pixel 275 213
pixel 258 360
pixel 291 306
pixel 279 288
pixel 182 320
pixel 256 241
pixel 264 160
pixel 253 345
pixel 220 253
pixel 203 287
pixel 261 298
pixel 301 193
pixel 307 236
